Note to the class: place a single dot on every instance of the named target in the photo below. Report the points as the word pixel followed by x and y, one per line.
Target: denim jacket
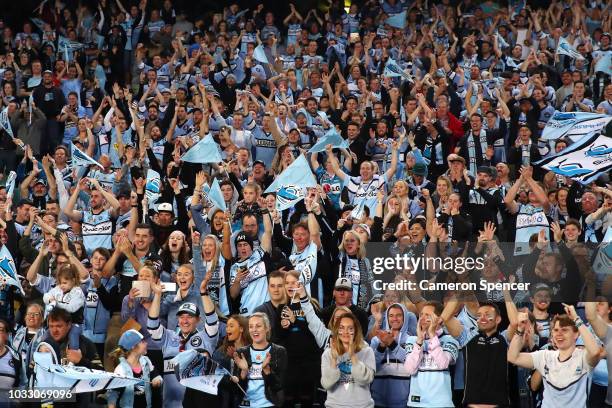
pixel 126 398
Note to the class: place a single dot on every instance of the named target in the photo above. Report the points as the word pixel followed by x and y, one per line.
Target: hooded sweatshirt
pixel 391 386
pixel 348 384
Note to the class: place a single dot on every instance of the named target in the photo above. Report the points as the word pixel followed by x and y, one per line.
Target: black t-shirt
pixel 486 370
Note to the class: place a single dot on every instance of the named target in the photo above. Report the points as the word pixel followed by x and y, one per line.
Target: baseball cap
pixel 364 227
pixel 455 157
pixel 419 169
pixel 189 308
pixel 130 339
pixel 165 207
pixel 259 162
pixel 343 283
pixel 41 181
pixel 485 169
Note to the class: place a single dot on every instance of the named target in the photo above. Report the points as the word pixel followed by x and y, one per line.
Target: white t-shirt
pixel 565 382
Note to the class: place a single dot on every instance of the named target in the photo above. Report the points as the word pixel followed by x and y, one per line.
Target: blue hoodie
pixel 391 386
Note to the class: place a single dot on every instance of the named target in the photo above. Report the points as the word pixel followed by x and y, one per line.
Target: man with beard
pixel 50 100
pixel 484 201
pixel 98 221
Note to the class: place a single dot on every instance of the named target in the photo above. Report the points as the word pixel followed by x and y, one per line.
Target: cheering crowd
pixel 178 180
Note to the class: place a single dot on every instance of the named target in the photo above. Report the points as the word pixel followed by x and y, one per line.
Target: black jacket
pixel 273 382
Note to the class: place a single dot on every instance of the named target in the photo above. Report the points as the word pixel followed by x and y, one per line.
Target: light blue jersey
pixel 253 288
pixel 365 191
pixel 97 230
pixel 256 393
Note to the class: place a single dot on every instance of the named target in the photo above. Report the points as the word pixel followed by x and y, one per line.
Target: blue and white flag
pixel 565 48
pixel 501 41
pixel 357 213
pixel 196 371
pixel 213 196
pixel 583 161
pixel 5 122
pixel 260 55
pixel 8 271
pixel 10 184
pixel 205 151
pixel 333 138
pixel 397 20
pixel 40 24
pixel 392 69
pixel 31 105
pixel 80 159
pixel 76 378
pixel 153 187
pixel 574 125
pixel 291 184
pixel 68 47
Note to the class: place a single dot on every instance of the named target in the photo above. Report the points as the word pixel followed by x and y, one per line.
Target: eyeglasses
pixel 33 314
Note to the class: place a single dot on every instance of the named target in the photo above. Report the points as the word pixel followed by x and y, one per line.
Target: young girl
pixel 69 296
pixel 133 363
pixel 250 193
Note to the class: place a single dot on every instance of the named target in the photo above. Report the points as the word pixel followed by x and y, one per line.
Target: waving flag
pixel 333 138
pixel 602 264
pixel 153 187
pixel 213 195
pixel 80 159
pixel 357 213
pixel 8 272
pixel 30 105
pixel 76 378
pixel 392 69
pixel 260 55
pixel 564 48
pixel 40 24
pixel 5 122
pixel 583 161
pixel 205 151
pixel 574 125
pixel 196 371
pixel 397 20
pixel 289 186
pixel 10 184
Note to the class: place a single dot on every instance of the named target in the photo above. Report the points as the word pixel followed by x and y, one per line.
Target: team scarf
pixel 471 144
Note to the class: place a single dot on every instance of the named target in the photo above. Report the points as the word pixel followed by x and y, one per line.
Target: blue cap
pixel 130 339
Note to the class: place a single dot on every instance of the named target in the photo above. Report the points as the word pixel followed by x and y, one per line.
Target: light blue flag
pixel 392 69
pixel 565 48
pixel 8 271
pixel 5 122
pixel 68 46
pixel 213 196
pixel 153 187
pixel 10 184
pixel 80 159
pixel 574 125
pixel 583 161
pixel 260 55
pixel 40 24
pixel 333 138
pixel 197 371
pixel 205 151
pixel 290 185
pixel 602 265
pixel 501 41
pixel 397 20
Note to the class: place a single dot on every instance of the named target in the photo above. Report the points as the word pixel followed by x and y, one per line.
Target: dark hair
pixel 493 305
pixel 277 274
pixel 145 226
pixel 58 314
pixel 438 307
pixel 102 251
pixel 574 222
pixel 564 321
pixel 301 224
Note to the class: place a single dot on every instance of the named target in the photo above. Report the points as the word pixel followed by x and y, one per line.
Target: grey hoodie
pixel 347 384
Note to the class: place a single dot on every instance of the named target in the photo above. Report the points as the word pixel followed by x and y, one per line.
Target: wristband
pixel 204 293
pixel 419 344
pixel 264 211
pixel 519 333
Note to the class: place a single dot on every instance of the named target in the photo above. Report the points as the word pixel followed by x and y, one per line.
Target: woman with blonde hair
pixel 356 267
pixel 444 188
pixel 348 366
pixel 209 263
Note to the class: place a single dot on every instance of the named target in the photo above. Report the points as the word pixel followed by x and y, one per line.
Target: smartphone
pixel 144 287
pixel 169 287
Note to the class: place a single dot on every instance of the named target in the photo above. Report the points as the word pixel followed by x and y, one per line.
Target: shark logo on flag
pixel 297 176
pixel 564 48
pixel 287 196
pixel 8 272
pixel 583 161
pixel 601 150
pixel 153 186
pixel 574 125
